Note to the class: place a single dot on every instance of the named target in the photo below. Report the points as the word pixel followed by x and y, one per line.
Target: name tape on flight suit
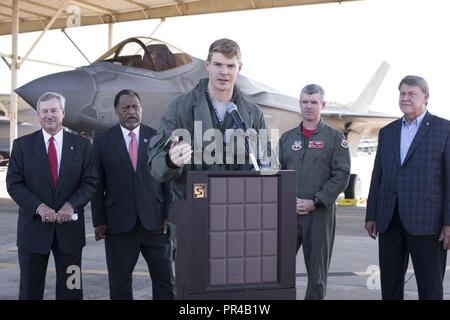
pixel 316 144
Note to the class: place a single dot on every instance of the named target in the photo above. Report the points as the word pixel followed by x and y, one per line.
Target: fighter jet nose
pixel 76 86
pixel 26 94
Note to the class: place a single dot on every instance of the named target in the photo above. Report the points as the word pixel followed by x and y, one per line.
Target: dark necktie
pixel 53 160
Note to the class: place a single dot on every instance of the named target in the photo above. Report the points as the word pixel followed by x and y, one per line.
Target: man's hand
pixel 180 153
pixel 65 213
pixel 100 232
pixel 371 227
pixel 304 206
pixel 48 215
pixel 445 237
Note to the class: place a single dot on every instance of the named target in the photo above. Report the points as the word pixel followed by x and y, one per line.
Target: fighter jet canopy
pixel 146 53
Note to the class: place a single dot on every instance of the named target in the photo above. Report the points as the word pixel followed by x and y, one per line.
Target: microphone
pixel 234 113
pixel 240 124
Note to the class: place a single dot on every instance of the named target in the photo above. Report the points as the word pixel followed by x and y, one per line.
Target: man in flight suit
pixel 205 104
pixel 320 156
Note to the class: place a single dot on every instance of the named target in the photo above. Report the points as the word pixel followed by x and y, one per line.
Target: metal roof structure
pixel 35 15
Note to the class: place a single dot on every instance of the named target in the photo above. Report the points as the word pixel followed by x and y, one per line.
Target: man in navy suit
pixel 409 198
pixel 130 208
pixel 51 176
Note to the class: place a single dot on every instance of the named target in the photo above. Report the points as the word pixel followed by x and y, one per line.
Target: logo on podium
pixel 200 191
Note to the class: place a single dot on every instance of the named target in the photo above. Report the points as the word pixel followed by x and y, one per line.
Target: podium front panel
pixel 242 230
pixel 237 234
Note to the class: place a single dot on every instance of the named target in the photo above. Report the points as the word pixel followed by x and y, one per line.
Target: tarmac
pixel 352 274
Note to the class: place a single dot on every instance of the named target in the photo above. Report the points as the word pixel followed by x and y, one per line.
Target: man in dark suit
pixel 409 198
pixel 130 208
pixel 51 176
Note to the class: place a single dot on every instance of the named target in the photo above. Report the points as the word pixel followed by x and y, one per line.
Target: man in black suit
pixel 130 208
pixel 51 176
pixel 409 198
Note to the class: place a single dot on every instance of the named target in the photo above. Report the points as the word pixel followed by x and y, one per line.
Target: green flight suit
pixel 181 114
pixel 322 165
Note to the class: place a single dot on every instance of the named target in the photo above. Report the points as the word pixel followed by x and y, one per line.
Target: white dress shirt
pixel 407 134
pixel 127 138
pixel 58 141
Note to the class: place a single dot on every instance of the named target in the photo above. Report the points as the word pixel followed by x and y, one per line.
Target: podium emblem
pixel 200 191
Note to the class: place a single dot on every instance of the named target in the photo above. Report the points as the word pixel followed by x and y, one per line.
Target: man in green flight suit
pixel 319 154
pixel 201 110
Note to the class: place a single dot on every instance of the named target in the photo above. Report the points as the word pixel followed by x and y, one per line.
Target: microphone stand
pixel 269 147
pixel 251 154
pixel 241 124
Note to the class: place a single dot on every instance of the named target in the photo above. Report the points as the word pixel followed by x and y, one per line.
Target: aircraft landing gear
pixel 353 190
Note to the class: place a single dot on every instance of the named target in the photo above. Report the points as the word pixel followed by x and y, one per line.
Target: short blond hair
pixel 227 47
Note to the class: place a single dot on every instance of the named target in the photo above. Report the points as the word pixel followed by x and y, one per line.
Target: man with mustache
pixel 130 207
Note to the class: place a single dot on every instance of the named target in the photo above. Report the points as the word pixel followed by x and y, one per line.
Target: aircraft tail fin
pixel 366 97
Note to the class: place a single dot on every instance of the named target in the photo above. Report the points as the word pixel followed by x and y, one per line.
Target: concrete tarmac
pixel 351 277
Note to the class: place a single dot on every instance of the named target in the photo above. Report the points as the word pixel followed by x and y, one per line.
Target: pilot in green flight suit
pixel 169 162
pixel 319 154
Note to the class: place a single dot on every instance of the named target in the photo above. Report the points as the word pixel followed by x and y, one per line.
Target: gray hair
pixel 51 95
pixel 313 89
pixel 416 81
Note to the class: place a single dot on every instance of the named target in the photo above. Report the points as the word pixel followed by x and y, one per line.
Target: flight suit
pixel 322 165
pixel 183 112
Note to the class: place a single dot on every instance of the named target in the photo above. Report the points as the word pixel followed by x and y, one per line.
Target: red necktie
pixel 133 149
pixel 53 160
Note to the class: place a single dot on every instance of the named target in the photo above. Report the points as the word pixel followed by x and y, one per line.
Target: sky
pixel 338 46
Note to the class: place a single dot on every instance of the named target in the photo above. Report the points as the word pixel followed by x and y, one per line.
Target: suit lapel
pixel 120 147
pixel 68 150
pixel 420 135
pixel 40 152
pixel 395 138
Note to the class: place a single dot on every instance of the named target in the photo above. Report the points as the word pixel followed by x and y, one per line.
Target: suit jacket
pixel 420 186
pixel 124 195
pixel 30 184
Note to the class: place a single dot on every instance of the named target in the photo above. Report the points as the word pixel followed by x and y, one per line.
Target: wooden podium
pixel 236 235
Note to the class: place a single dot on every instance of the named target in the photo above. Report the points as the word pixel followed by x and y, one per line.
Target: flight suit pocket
pixel 322 155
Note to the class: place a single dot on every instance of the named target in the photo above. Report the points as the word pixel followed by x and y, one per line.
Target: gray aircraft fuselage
pixel 90 90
